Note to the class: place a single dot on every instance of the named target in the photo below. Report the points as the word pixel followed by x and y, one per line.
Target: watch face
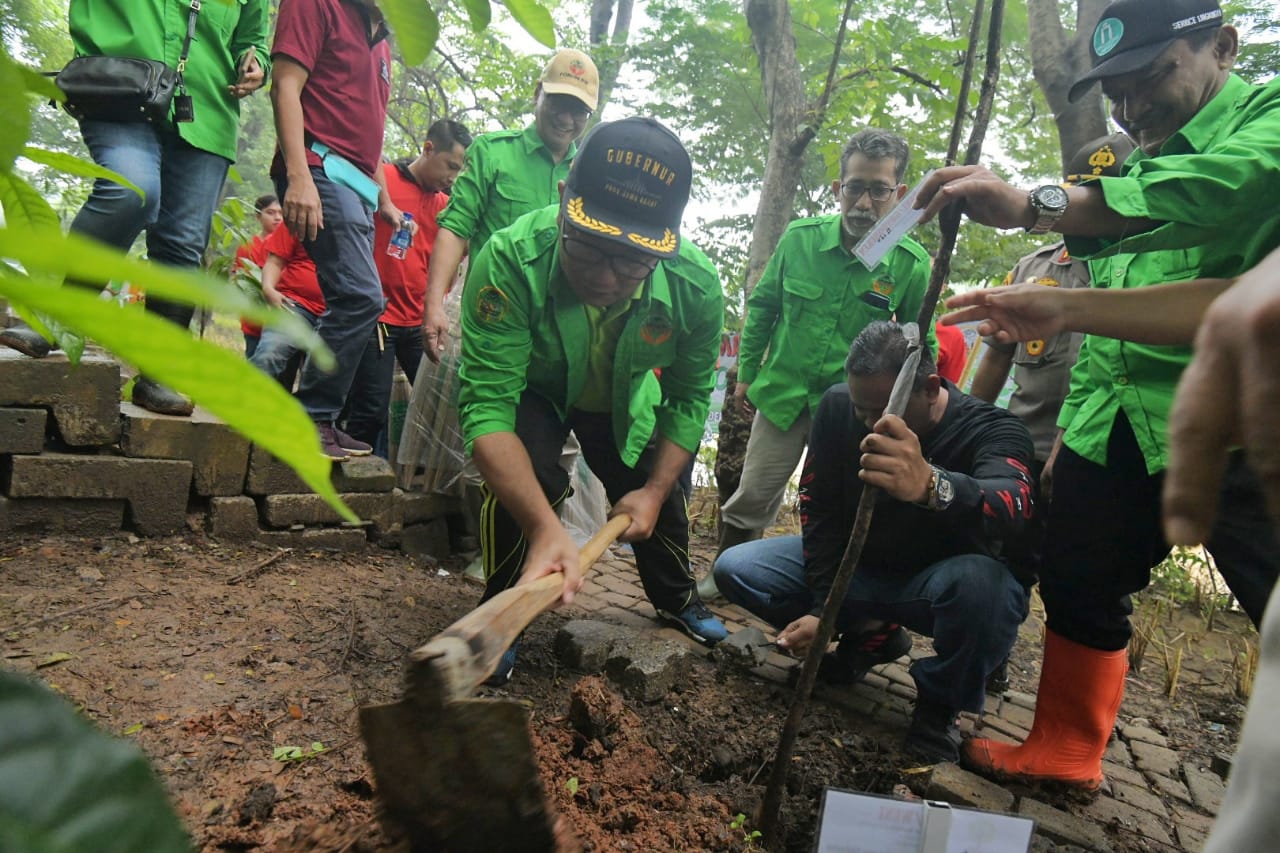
pixel 1050 197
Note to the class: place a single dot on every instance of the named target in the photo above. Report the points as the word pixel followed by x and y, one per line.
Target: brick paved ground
pixel 1160 799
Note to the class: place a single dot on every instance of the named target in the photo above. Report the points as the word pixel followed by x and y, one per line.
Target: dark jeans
pixel 1104 536
pixel 278 356
pixel 970 604
pixel 370 397
pixel 662 560
pixel 343 254
pixel 181 183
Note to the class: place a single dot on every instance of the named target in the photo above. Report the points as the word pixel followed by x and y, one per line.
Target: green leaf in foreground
pixel 415 25
pixel 65 786
pixel 536 20
pixel 73 165
pixel 219 380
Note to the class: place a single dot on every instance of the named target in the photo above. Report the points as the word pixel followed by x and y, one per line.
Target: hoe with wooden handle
pixel 457 773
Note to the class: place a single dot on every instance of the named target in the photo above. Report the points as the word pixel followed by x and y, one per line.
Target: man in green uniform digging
pixel 565 317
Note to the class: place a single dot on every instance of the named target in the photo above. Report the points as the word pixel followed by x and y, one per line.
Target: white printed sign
pixel 877 242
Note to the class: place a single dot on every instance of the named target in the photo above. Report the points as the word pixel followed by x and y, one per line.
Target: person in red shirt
pixel 419 187
pixel 267 209
pixel 952 351
pixel 288 281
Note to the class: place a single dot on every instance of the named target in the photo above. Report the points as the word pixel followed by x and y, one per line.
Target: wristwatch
pixel 940 492
pixel 1049 203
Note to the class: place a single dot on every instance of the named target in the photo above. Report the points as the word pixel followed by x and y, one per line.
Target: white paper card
pixel 865 823
pixel 877 242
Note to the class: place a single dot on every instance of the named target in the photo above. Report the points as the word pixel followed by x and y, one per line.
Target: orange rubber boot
pixel 1076 707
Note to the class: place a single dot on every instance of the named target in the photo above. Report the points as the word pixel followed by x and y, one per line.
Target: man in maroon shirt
pixel 419 187
pixel 332 71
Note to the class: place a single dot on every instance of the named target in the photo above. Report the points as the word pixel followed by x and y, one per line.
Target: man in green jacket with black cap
pixel 566 316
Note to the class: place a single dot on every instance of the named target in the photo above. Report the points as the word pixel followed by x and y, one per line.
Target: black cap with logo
pixel 1132 33
pixel 629 183
pixel 1100 158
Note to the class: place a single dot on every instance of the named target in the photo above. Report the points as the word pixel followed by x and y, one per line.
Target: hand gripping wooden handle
pixel 463 655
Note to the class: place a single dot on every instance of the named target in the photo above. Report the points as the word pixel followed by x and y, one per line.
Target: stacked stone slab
pixel 74 458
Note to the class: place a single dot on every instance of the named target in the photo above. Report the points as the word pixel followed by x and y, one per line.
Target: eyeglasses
pixel 561 104
pixel 582 252
pixel 853 190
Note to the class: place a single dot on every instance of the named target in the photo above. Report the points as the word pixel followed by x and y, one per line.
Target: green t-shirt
pixel 155 29
pixel 508 173
pixel 1214 187
pixel 523 327
pixel 813 298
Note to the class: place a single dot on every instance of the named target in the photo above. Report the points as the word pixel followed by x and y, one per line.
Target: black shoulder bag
pixel 118 88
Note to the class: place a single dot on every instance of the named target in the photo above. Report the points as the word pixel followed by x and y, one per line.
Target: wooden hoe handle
pixel 463 655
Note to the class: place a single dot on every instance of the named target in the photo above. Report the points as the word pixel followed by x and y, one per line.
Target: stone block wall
pixel 73 458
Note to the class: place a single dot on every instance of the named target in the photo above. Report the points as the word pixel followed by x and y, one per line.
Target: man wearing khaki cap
pixel 509 173
pixel 1196 200
pixel 567 315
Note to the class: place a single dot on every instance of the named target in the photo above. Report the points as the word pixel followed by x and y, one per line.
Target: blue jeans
pixel 370 399
pixel 276 355
pixel 182 184
pixel 343 254
pixel 970 604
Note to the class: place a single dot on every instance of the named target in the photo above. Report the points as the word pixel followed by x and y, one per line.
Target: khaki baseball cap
pixel 571 72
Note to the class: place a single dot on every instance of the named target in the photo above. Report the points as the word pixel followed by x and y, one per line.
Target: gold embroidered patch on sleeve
pixel 666 244
pixel 578 217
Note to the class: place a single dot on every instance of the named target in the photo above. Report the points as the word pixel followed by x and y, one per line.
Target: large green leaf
pixel 38 84
pixel 536 20
pixel 65 786
pixel 218 379
pixel 479 12
pixel 23 205
pixel 415 25
pixel 56 255
pixel 74 165
pixel 15 107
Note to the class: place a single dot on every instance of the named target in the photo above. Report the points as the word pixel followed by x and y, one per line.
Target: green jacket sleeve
pixel 251 33
pixel 470 190
pixel 687 383
pixel 763 308
pixel 496 344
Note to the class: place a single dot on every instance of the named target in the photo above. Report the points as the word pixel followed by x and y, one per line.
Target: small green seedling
pixel 739 823
pixel 572 786
pixel 297 753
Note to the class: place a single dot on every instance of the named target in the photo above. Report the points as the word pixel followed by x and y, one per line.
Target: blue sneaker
pixel 506 666
pixel 698 622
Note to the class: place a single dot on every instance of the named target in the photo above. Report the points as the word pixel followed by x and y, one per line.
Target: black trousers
pixel 370 396
pixel 1104 536
pixel 662 560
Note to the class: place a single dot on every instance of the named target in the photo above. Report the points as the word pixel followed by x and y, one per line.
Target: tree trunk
pixel 609 52
pixel 1058 59
pixel 783 86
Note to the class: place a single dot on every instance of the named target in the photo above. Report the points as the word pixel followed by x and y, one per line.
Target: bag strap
pixel 186 45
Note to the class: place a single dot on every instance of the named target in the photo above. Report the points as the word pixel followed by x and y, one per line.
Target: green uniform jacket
pixel 1214 185
pixel 523 327
pixel 155 29
pixel 811 301
pixel 508 173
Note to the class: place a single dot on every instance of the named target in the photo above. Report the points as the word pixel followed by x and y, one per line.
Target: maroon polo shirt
pixel 344 103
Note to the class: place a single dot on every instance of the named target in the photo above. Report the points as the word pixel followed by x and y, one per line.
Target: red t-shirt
pixel 298 278
pixel 404 281
pixel 255 250
pixel 344 103
pixel 952 351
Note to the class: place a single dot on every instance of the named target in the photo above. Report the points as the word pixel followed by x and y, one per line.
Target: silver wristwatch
pixel 1049 203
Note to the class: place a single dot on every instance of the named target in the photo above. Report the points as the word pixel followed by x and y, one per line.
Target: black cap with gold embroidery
pixel 629 183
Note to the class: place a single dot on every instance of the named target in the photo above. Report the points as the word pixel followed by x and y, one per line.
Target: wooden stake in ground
pixel 949 225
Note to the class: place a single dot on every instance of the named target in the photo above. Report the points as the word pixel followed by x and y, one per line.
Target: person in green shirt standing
pixel 811 301
pixel 566 315
pixel 507 174
pixel 1192 202
pixel 179 164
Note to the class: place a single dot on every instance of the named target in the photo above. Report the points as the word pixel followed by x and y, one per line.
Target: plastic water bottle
pixel 399 245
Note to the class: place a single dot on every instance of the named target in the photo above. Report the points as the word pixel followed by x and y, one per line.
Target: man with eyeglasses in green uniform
pixel 811 301
pixel 509 173
pixel 566 315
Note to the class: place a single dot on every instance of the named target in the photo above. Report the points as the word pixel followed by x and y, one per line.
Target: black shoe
pixel 26 340
pixel 154 397
pixel 933 736
pixel 998 681
pixel 856 654
pixel 353 446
